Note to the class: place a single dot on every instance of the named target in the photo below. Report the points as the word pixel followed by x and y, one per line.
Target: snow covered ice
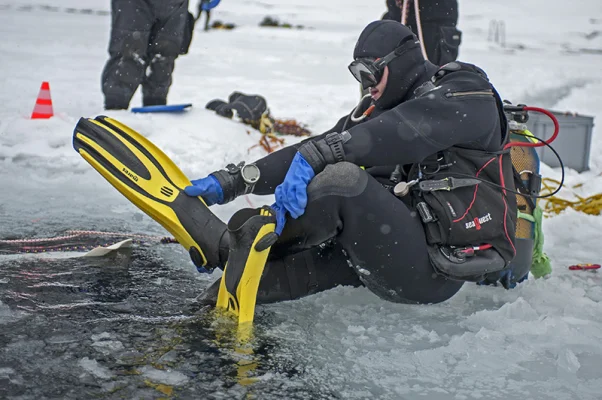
pixel 541 340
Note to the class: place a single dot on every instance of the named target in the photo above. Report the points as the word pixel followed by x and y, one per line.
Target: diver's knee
pixel 342 179
pixel 129 44
pixel 342 169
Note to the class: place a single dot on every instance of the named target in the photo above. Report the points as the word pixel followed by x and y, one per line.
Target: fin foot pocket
pixel 246 261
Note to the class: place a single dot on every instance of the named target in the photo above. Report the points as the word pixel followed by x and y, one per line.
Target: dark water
pixel 127 326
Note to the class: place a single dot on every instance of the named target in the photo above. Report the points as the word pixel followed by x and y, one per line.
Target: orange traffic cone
pixel 43 107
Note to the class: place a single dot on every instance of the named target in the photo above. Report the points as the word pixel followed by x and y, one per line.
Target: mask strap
pixel 404 47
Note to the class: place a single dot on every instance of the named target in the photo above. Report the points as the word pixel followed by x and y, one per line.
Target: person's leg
pixel 438 20
pixel 124 71
pixel 383 239
pixel 442 41
pixel 166 41
pixel 293 276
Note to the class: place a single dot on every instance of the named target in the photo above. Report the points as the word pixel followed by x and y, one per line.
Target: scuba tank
pixel 528 237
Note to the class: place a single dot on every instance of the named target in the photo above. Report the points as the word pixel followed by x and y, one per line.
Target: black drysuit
pixel 381 237
pixel 145 35
pixel 438 20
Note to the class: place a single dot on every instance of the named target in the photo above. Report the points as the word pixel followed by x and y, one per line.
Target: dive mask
pixel 369 70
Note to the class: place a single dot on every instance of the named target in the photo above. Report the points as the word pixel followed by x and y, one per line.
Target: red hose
pixel 539 143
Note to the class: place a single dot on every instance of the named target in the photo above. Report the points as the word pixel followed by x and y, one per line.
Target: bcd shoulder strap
pixel 456 66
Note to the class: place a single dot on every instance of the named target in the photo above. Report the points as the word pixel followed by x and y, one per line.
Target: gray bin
pixel 573 142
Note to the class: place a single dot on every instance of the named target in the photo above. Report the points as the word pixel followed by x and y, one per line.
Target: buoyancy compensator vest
pixel 465 198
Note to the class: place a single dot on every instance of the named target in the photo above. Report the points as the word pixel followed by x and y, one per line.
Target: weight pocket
pixel 465 216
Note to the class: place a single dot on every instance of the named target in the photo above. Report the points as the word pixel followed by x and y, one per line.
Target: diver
pixel 146 38
pixel 410 194
pixel 438 20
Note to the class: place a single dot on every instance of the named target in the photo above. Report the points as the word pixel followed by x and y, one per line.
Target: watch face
pixel 250 173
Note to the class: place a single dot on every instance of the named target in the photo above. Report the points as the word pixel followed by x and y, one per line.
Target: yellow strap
pixel 529 136
pixel 265 123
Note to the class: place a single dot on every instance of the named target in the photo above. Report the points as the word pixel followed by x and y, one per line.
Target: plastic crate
pixel 573 142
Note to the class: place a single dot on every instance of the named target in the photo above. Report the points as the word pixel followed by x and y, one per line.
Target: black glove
pixel 249 108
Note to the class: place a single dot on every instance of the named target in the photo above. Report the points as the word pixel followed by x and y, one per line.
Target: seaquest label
pixel 477 222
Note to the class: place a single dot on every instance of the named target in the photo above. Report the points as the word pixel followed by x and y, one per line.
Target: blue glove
pixel 208 5
pixel 291 194
pixel 208 188
pixel 280 218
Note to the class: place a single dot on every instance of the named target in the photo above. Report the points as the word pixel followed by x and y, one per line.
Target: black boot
pixel 154 101
pixel 116 103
